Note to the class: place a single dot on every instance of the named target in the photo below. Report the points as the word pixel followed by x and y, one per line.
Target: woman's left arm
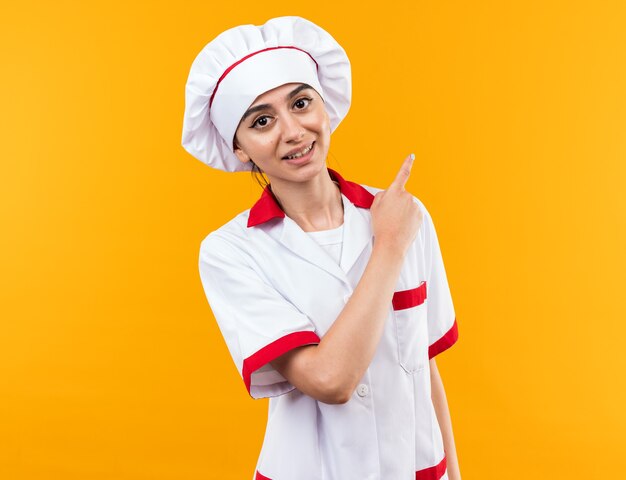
pixel 438 395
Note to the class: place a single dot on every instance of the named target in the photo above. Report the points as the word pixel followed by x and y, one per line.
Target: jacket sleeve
pixel 256 321
pixel 441 320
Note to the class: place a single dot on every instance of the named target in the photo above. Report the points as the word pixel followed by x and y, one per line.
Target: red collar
pixel 267 208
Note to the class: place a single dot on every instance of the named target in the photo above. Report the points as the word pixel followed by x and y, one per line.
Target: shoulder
pixel 230 239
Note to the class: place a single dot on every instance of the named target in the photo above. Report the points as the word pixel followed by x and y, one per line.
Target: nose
pixel 292 130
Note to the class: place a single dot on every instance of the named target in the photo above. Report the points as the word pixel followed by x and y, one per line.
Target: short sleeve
pixel 256 321
pixel 442 325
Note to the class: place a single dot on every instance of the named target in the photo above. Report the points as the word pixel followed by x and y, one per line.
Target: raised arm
pixel 331 370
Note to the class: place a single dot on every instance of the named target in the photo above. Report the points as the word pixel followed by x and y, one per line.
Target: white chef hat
pixel 243 62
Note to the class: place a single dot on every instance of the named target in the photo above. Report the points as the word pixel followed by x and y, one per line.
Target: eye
pixel 261 121
pixel 302 103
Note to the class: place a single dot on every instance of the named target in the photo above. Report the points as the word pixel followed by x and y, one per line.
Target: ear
pixel 241 155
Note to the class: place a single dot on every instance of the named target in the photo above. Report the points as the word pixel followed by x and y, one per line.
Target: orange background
pixel 111 364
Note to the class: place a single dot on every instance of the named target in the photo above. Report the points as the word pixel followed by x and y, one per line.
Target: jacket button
pixel 362 390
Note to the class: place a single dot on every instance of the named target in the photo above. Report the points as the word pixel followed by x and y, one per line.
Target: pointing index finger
pixel 403 174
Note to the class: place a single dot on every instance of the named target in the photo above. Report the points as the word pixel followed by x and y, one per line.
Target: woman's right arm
pixel 331 370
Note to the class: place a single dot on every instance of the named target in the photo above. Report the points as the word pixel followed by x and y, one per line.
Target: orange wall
pixel 111 364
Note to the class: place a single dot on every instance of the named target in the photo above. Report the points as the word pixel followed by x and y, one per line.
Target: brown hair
pixel 259 176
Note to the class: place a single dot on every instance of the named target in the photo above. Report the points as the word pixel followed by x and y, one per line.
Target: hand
pixel 396 217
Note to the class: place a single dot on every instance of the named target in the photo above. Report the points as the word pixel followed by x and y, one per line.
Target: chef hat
pixel 245 61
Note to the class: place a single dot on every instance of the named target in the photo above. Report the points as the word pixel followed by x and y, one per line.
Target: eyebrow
pixel 263 106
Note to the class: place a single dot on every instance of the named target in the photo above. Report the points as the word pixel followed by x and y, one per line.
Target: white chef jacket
pixel 272 288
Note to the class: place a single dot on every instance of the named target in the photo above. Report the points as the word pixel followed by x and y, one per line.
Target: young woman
pixel 331 295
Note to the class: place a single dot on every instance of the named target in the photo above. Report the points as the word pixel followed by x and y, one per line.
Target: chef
pixel 331 295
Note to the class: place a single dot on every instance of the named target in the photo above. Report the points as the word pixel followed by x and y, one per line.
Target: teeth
pixel 303 152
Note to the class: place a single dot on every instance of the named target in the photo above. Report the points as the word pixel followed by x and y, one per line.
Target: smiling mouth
pixel 301 153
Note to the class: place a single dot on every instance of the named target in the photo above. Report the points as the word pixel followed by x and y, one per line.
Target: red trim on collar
pixel 264 209
pixel 358 195
pixel 267 207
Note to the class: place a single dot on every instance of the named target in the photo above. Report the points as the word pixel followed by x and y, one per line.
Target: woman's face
pixel 282 122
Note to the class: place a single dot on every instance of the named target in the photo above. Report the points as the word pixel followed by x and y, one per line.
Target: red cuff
pixel 275 350
pixel 445 342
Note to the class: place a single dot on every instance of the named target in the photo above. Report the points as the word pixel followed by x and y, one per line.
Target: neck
pixel 314 205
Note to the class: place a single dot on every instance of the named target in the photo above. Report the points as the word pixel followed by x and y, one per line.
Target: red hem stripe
pixel 445 342
pixel 432 473
pixel 274 350
pixel 409 298
pixel 227 71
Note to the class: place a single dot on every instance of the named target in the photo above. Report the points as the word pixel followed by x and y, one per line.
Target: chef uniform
pixel 273 287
